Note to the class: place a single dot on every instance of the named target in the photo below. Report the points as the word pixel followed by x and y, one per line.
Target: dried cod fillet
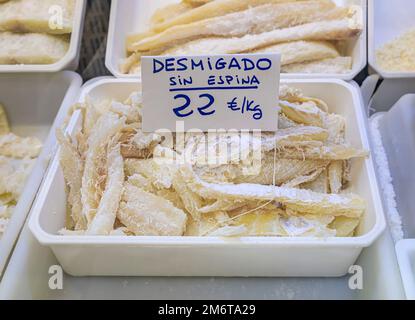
pixel 322 30
pixel 315 151
pixel 251 21
pixel 171 11
pixel 192 202
pixel 196 2
pixel 103 222
pixel 319 185
pixel 291 53
pixel 172 196
pixel 344 226
pixel 326 65
pixel 303 179
pixel 105 129
pixel 283 169
pixel 301 51
pixel 35 16
pixel 305 113
pixel 139 145
pixel 335 173
pixel 284 137
pixel 72 167
pixel 295 199
pixel 285 123
pixel 262 223
pixel 141 182
pixel 4 123
pixel 160 175
pixel 14 173
pixel 212 9
pixel 32 48
pixel 17 147
pixel 146 214
pixel 294 95
pixel 206 223
pixel 131 113
pixel 307 226
pixel 336 126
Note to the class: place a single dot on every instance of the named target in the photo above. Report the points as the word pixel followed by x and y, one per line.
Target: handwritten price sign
pixel 211 92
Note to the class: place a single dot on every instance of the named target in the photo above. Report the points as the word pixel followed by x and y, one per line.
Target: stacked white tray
pixel 133 16
pixel 70 60
pixel 32 110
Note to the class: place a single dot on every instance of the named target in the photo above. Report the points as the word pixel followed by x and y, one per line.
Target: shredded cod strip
pixel 295 199
pixel 106 127
pixel 103 222
pixel 251 21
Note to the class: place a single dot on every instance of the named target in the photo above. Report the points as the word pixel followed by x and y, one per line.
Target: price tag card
pixel 211 92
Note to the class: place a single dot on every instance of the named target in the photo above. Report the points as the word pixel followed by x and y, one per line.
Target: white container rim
pixel 70 56
pixel 372 50
pixel 365 240
pixel 357 68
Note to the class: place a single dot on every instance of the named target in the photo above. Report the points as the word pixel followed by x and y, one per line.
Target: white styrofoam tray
pixel 386 21
pixel 32 102
pixel 405 250
pixel 70 60
pixel 133 16
pixel 212 256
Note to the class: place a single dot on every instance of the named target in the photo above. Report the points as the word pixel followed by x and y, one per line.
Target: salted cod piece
pixel 196 2
pixel 14 146
pixel 13 175
pixel 213 9
pixel 294 95
pixel 35 16
pixel 291 53
pixel 345 226
pixel 305 113
pixel 72 167
pixel 251 21
pixel 295 199
pixel 171 11
pixel 326 65
pixel 339 29
pixel 318 151
pixel 164 15
pixel 146 214
pixel 32 48
pixel 301 51
pixel 336 125
pixel 283 169
pixel 107 126
pixel 4 123
pixel 319 185
pixel 103 222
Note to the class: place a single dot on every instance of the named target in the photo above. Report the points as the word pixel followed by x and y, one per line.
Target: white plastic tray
pixel 70 60
pixel 133 16
pixel 405 249
pixel 388 20
pixel 193 256
pixel 32 102
pixel 27 277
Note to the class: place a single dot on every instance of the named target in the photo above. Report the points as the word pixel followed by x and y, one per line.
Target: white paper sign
pixel 211 92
